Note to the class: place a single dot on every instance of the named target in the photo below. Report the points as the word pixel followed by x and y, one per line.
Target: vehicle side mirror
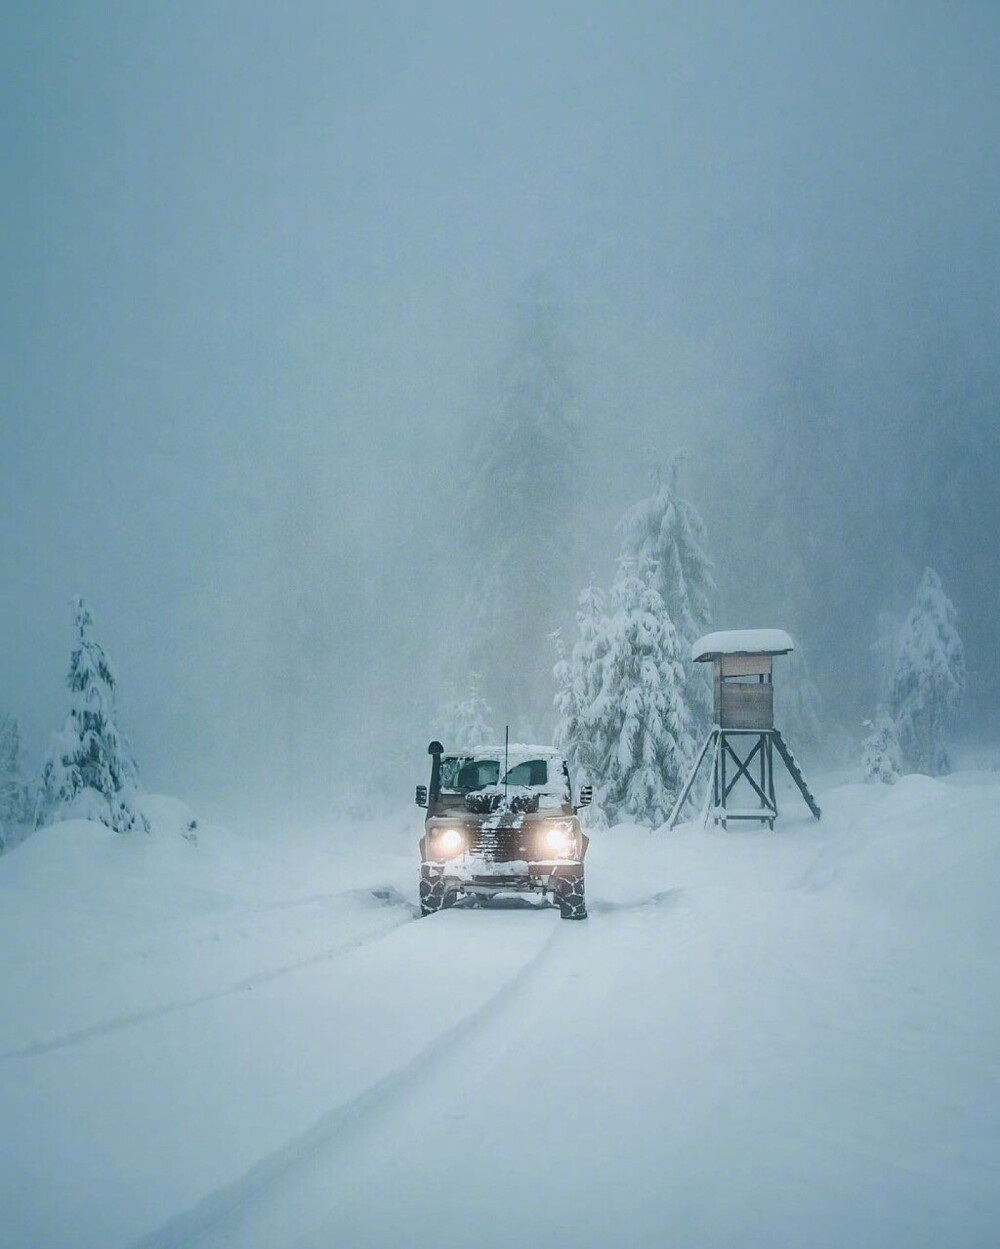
pixel 586 795
pixel 421 795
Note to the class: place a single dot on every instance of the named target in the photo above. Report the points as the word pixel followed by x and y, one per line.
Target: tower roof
pixel 742 642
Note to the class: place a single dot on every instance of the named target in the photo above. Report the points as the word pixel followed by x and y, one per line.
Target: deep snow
pixel 757 1039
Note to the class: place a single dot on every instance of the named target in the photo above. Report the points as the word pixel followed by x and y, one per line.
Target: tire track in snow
pixel 663 898
pixel 387 894
pixel 218 1218
pixel 132 1019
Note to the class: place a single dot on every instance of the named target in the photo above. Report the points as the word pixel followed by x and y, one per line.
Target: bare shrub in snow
pixel 89 773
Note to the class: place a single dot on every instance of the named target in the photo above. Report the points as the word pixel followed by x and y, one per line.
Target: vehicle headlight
pixel 449 842
pixel 560 838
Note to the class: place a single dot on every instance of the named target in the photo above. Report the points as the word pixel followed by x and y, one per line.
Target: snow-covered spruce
pixel 466 721
pixel 89 773
pixel 928 677
pixel 622 700
pixel 665 533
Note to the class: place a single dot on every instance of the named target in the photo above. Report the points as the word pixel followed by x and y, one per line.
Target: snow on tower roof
pixel 742 642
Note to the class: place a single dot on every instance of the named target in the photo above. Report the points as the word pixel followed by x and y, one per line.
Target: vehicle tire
pixel 571 896
pixel 432 895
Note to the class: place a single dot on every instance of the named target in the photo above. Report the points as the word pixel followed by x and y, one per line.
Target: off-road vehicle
pixel 501 821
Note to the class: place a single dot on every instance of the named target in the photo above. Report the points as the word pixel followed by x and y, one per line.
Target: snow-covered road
pixel 757 1039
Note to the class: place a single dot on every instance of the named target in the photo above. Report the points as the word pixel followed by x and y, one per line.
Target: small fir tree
pixel 881 756
pixel 665 533
pixel 467 720
pixel 89 773
pixel 928 678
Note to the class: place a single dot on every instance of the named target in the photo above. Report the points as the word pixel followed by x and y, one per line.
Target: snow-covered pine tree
pixel 927 679
pixel 89 773
pixel 519 462
pixel 466 720
pixel 665 532
pixel 578 677
pixel 642 726
pixel 881 757
pixel 14 811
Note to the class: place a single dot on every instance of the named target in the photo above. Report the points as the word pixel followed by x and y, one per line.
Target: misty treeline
pixel 630 706
pixel 922 680
pixel 356 582
pixel 511 600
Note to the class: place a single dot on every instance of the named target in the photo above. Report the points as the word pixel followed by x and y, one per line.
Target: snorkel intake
pixel 435 750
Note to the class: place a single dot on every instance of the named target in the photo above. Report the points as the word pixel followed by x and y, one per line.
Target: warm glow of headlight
pixel 449 842
pixel 560 838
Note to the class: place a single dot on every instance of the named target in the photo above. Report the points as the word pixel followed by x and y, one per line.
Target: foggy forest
pixel 266 278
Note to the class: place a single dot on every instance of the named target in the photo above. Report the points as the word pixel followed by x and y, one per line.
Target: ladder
pixel 795 772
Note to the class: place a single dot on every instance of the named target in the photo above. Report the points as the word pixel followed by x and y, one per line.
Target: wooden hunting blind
pixel 743 738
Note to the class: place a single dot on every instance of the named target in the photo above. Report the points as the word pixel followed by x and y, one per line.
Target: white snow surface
pixel 742 642
pixel 757 1039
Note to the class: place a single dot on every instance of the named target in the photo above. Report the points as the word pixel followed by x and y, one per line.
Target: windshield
pixel 463 774
pixel 460 774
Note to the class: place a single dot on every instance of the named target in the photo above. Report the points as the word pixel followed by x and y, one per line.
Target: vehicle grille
pixel 502 845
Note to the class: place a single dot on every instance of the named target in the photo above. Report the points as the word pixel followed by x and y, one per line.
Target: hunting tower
pixel 743 738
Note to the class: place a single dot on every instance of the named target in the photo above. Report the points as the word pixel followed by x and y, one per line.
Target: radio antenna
pixel 506 752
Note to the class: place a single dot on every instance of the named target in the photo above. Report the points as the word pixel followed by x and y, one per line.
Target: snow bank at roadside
pixel 97 925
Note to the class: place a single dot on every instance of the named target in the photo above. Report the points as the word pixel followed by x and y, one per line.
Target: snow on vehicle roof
pixel 742 642
pixel 516 750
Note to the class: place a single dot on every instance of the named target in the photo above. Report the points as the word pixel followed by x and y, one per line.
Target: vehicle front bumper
pixel 474 874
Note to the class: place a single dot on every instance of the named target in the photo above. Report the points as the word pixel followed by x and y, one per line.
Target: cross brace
pixel 767 741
